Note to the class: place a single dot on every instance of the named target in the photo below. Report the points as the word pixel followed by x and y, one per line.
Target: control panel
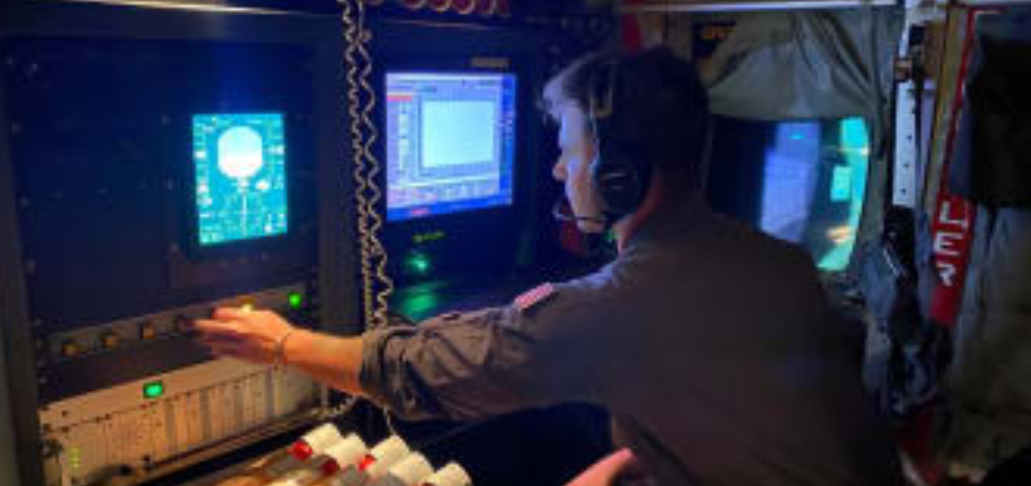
pixel 153 169
pixel 139 331
pixel 131 430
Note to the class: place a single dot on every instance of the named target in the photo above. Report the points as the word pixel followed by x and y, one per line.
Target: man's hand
pixel 620 467
pixel 263 337
pixel 249 335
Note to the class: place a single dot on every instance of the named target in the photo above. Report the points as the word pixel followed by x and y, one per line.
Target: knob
pixel 69 348
pixel 183 323
pixel 109 340
pixel 147 331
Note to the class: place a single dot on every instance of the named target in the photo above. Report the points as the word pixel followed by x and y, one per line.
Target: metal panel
pixel 19 427
pixel 121 431
pixel 140 20
pixel 694 6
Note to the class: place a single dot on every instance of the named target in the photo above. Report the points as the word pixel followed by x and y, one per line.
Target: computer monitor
pixel 814 186
pixel 240 165
pixel 450 142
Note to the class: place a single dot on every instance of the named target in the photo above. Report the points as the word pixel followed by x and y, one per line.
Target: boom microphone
pixel 562 211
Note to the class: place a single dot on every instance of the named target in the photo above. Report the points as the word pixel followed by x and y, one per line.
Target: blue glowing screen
pixel 240 169
pixel 815 185
pixel 450 142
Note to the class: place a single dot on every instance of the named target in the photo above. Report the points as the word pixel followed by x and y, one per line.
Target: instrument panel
pixel 131 430
pixel 159 163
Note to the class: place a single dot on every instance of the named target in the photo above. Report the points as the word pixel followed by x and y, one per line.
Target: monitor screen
pixel 240 174
pixel 814 185
pixel 450 142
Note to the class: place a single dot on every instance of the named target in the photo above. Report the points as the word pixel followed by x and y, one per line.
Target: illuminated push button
pixel 75 457
pixel 69 349
pixel 295 300
pixel 109 340
pixel 154 389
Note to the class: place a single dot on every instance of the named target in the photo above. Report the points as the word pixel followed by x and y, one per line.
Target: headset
pixel 622 166
pixel 621 169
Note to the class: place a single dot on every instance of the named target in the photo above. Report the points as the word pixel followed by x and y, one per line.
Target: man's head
pixel 628 125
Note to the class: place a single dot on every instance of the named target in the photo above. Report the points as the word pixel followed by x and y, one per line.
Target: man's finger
pixel 230 313
pixel 216 328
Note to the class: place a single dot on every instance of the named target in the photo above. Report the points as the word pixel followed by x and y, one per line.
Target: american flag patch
pixel 534 297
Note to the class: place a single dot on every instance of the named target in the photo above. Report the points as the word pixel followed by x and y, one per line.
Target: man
pixel 710 343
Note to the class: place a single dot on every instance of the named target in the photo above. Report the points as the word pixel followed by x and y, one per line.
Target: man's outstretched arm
pixel 462 366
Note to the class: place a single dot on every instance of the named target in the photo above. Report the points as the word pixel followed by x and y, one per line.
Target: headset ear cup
pixel 619 178
pixel 620 171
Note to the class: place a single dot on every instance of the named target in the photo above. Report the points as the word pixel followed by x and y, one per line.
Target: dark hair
pixel 659 105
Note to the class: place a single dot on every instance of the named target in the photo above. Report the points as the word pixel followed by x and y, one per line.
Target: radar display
pixel 240 174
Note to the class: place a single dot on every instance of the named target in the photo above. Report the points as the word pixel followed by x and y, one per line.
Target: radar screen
pixel 240 174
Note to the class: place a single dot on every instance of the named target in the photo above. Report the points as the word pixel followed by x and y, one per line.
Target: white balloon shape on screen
pixel 240 153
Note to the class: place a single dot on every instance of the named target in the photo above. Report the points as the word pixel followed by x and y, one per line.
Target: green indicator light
pixel 153 389
pixel 419 305
pixel 418 264
pixel 296 300
pixel 429 237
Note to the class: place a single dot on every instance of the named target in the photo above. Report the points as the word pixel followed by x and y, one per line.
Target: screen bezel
pixel 485 243
pixel 745 165
pixel 188 232
pixel 287 157
pixel 511 158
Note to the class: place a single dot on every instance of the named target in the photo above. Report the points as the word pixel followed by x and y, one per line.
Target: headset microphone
pixel 561 212
pixel 594 245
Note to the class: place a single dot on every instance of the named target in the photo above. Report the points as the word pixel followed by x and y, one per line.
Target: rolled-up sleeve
pixel 470 365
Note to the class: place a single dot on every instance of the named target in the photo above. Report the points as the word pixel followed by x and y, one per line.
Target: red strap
pixel 952 229
pixel 630 31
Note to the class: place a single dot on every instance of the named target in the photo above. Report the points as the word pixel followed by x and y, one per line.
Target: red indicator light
pixel 302 451
pixel 366 462
pixel 330 468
